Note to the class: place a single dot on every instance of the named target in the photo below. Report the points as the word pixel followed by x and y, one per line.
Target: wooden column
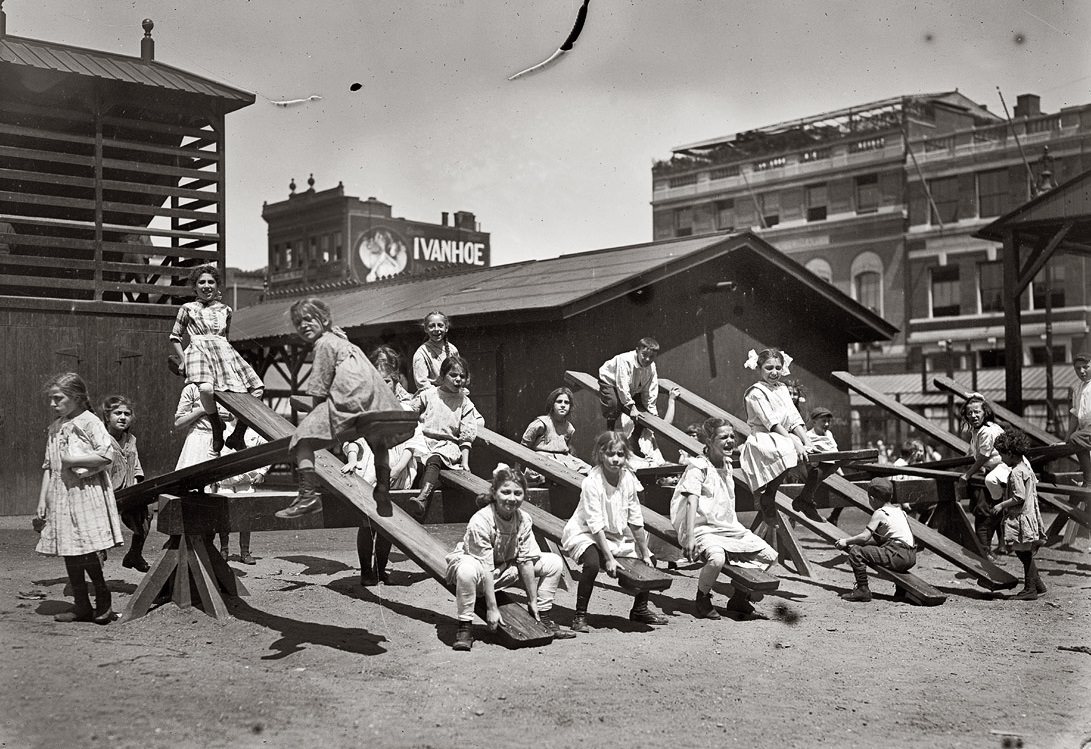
pixel 1013 332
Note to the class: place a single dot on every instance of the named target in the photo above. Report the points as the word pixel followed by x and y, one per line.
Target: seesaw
pixel 520 629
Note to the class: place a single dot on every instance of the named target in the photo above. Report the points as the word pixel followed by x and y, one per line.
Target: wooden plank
pixel 151 585
pixel 147 167
pixel 196 476
pixel 984 570
pixel 159 127
pixel 208 197
pixel 555 472
pixel 907 415
pixel 1046 492
pixel 917 589
pixel 121 228
pixel 843 456
pixel 49 178
pixel 634 574
pixel 37 154
pixel 1002 414
pixel 742 577
pixel 200 563
pixel 399 527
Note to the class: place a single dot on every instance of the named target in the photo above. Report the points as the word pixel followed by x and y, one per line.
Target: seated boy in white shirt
pixel 886 542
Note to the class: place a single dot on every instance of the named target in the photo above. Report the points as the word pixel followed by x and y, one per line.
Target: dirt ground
pixel 312 659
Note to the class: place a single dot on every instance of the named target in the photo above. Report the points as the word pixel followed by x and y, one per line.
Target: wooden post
pixel 1013 331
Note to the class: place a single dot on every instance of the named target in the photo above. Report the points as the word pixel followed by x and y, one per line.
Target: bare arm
pixel 492 611
pixel 641 539
pixel 604 547
pixel 43 496
pixel 859 539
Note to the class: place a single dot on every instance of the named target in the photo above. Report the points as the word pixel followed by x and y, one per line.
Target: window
pixel 724 172
pixel 990 283
pixel 945 196
pixel 867 193
pixel 816 202
pixel 945 292
pixel 1038 354
pixel 820 268
pixel 337 246
pixel 324 245
pixel 725 215
pixel 289 256
pixel 867 281
pixel 1056 287
pixel 688 179
pixel 992 358
pixel 992 193
pixel 770 208
pixel 683 222
pixel 313 254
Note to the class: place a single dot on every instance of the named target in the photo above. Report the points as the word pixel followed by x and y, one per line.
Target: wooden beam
pixel 1003 414
pixel 404 532
pixel 1013 326
pixel 1040 257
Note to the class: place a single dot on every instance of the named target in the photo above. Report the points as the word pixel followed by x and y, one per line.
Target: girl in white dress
pixel 608 523
pixel 778 439
pixel 703 514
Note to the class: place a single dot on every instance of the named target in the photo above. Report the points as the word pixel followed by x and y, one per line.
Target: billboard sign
pixel 387 250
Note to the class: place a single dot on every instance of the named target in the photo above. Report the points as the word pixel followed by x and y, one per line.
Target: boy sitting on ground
pixel 886 542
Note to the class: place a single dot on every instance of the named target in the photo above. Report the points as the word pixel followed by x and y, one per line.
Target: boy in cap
pixel 819 433
pixel 886 542
pixel 824 442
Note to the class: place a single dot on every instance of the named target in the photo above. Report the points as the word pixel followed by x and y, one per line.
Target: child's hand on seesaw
pixel 532 609
pixel 347 468
pixel 649 559
pixel 611 567
pixel 841 543
pixel 493 619
pixel 674 393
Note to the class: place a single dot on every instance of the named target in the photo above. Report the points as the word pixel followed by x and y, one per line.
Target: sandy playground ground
pixel 313 659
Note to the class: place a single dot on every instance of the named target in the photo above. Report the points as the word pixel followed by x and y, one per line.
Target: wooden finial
pixel 147 44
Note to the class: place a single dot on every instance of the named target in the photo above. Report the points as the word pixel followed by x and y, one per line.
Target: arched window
pixel 867 281
pixel 820 268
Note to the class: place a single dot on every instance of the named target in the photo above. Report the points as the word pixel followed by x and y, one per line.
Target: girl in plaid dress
pixel 209 361
pixel 76 500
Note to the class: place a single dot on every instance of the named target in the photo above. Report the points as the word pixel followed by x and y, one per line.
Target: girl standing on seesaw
pixel 433 352
pixel 76 500
pixel 125 470
pixel 703 514
pixel 498 551
pixel 209 361
pixel 1018 510
pixel 978 415
pixel 607 524
pixel 448 424
pixel 777 441
pixel 552 434
pixel 344 385
pixel 360 461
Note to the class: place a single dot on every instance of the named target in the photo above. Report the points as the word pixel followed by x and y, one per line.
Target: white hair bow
pixel 500 467
pixel 787 363
pixel 751 359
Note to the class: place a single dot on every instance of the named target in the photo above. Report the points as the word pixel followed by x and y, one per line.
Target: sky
pixel 558 161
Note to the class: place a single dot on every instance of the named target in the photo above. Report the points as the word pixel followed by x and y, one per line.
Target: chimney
pixel 1028 105
pixel 443 218
pixel 465 220
pixel 147 44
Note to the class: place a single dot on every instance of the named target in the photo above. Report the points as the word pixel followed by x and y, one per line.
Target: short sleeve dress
pixel 197 447
pixel 350 385
pixel 427 360
pixel 542 436
pixel 715 524
pixel 607 508
pixel 210 357
pixel 82 516
pixel 1023 527
pixel 766 454
pixel 447 422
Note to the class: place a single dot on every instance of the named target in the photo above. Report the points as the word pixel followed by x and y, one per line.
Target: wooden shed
pixel 706 300
pixel 111 188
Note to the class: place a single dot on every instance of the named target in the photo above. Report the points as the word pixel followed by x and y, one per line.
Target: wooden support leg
pixel 1056 527
pixel 220 569
pixel 158 577
pixel 788 546
pixel 182 596
pixel 1076 536
pixel 207 590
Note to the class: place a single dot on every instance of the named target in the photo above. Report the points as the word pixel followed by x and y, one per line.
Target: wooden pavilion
pixel 111 189
pixel 1056 221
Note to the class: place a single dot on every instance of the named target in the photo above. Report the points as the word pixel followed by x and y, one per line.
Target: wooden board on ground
pixel 202 474
pixel 982 569
pixel 404 532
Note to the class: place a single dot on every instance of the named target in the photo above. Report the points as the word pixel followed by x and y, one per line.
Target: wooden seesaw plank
pixel 520 628
pixel 934 541
pixel 1003 414
pixel 201 474
pixel 634 573
pixel 744 578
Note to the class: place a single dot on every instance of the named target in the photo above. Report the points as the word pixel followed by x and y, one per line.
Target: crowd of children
pixel 88 458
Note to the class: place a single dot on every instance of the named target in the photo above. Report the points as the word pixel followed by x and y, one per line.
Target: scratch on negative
pixel 293 102
pixel 573 35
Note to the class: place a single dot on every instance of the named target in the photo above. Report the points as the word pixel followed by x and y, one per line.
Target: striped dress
pixel 82 516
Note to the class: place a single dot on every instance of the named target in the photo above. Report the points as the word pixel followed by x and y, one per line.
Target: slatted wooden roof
pixel 109 66
pixel 558 288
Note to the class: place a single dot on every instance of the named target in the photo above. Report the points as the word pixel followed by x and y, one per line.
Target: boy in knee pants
pixel 886 542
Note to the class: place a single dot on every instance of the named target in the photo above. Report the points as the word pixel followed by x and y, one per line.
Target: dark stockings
pixel 591 560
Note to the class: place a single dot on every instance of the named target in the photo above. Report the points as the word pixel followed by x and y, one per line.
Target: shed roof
pixel 549 289
pixel 110 66
pixel 990 383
